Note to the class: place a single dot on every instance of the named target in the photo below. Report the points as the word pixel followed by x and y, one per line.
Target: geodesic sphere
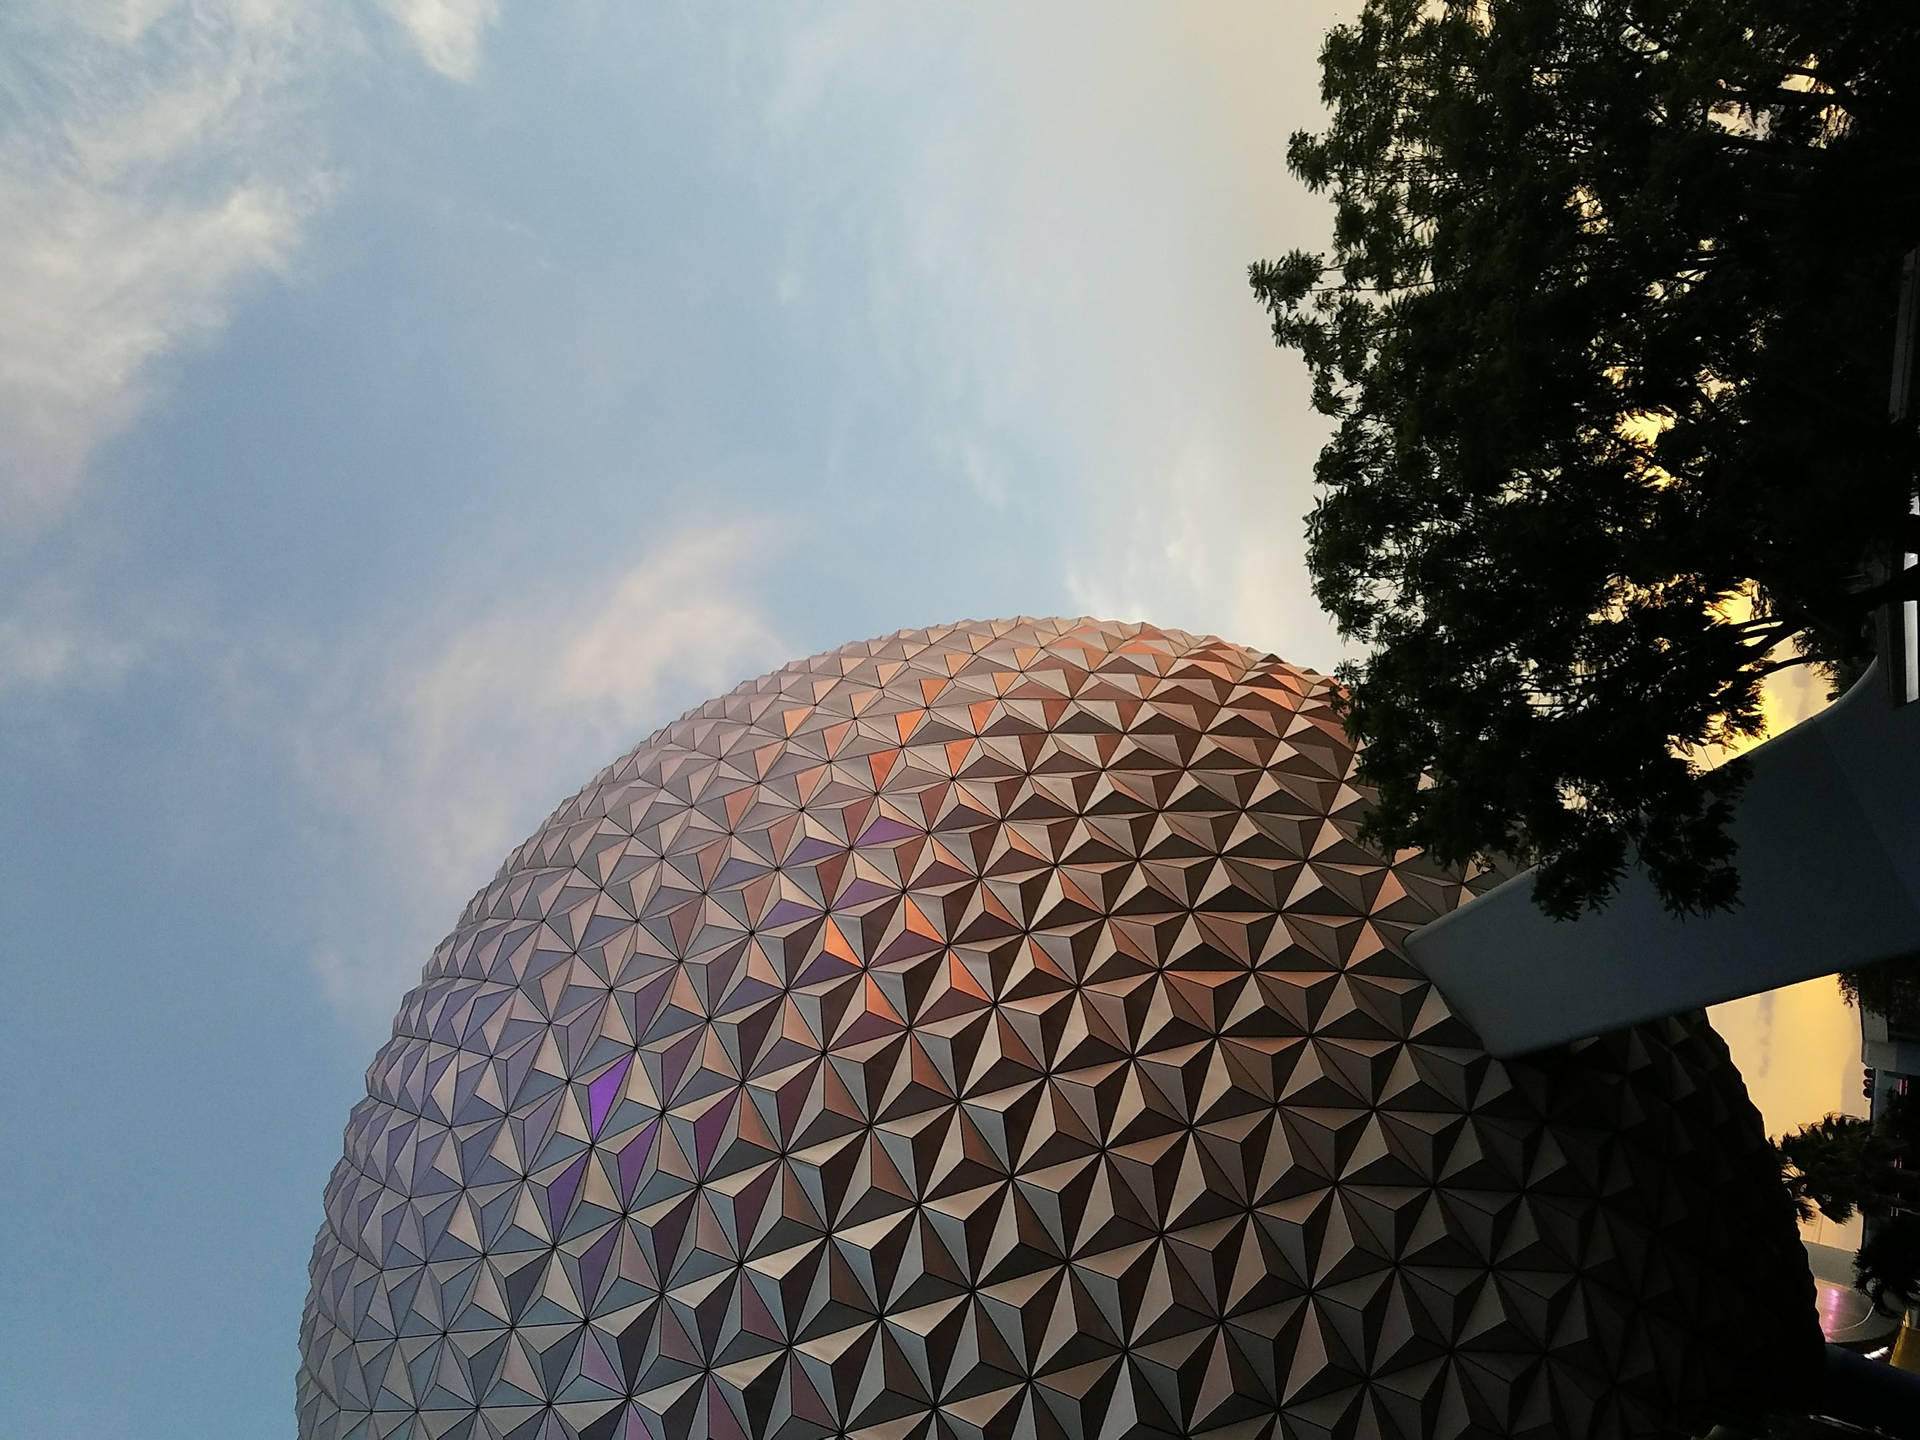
pixel 998 1030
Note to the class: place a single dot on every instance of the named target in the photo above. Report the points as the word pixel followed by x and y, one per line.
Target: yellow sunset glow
pixel 1798 1048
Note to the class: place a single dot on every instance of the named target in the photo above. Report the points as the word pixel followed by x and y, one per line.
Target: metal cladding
pixel 998 1030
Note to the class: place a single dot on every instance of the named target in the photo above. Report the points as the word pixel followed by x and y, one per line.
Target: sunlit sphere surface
pixel 999 1030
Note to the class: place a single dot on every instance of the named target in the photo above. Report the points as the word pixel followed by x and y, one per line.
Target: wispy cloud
pixel 428 762
pixel 153 163
pixel 448 33
pixel 158 158
pixel 1209 543
pixel 59 634
pixel 1054 232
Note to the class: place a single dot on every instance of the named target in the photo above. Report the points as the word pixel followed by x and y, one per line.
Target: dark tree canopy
pixel 1845 1165
pixel 1892 988
pixel 1841 1165
pixel 1605 327
pixel 1888 1265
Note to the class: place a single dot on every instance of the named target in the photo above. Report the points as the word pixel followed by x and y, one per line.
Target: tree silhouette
pixel 1892 988
pixel 1604 326
pixel 1842 1165
pixel 1888 1265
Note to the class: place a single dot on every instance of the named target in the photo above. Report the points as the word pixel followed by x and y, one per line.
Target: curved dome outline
pixel 998 1029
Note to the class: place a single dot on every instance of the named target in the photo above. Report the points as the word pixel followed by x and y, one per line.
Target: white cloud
pixel 447 32
pixel 429 762
pixel 153 167
pixel 48 646
pixel 1056 225
pixel 68 632
pixel 1210 544
pixel 157 157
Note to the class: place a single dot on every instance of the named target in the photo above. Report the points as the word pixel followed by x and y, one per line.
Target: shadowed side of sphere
pixel 999 1030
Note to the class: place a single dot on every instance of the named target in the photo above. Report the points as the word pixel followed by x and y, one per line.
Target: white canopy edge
pixel 1829 835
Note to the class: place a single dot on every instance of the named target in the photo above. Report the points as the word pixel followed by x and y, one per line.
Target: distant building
pixel 1891 1053
pixel 1890 1049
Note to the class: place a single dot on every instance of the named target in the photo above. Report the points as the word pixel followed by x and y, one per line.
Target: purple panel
pixel 603 1091
pixel 884 831
pixel 633 1159
pixel 561 1192
pixel 786 912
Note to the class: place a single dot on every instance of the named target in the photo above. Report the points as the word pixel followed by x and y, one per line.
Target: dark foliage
pixel 1605 327
pixel 1841 1165
pixel 1888 1265
pixel 1891 988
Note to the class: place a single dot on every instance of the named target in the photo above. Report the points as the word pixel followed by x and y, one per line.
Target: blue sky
pixel 406 407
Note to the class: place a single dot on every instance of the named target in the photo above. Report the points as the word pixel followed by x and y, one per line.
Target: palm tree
pixel 1841 1164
